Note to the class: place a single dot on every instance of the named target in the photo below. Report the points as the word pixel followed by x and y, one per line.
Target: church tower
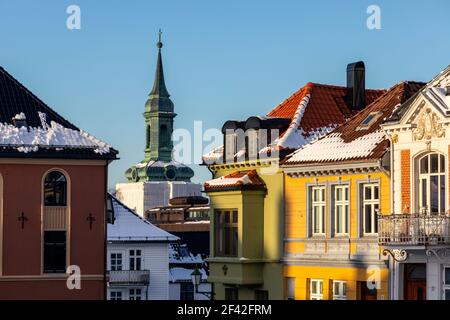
pixel 159 117
pixel 157 178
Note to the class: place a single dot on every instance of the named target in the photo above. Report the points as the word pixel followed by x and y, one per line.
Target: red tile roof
pixel 248 179
pixel 328 105
pixel 351 131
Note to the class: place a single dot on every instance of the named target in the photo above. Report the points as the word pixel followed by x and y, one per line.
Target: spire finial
pixel 159 44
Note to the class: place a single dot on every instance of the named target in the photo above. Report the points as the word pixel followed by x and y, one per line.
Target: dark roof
pixel 15 98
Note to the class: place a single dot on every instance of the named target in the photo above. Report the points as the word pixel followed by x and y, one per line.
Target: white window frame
pixel 427 177
pixel 134 295
pixel 321 205
pixel 318 295
pixel 445 286
pixel 343 204
pixel 135 257
pixel 115 293
pixel 374 205
pixel 116 259
pixel 339 290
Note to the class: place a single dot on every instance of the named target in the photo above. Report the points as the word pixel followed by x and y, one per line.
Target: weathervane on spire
pixel 159 44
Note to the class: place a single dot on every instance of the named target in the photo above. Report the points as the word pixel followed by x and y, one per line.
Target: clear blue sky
pixel 223 59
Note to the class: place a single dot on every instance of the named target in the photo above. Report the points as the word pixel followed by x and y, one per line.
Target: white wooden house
pixel 137 256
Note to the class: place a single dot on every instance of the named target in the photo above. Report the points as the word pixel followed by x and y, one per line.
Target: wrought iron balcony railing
pixel 413 229
pixel 129 277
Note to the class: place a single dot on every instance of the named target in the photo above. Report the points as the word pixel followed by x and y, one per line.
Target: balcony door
pixel 432 184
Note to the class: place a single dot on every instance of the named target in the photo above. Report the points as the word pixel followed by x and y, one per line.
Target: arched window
pixel 432 183
pixel 147 139
pixel 55 189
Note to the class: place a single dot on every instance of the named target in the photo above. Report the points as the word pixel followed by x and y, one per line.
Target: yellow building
pixel 247 189
pixel 334 189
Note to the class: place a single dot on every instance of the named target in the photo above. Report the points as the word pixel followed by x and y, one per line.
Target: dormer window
pixel 369 120
pixel 20 120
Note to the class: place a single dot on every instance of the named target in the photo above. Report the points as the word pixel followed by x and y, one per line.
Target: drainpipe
pixel 105 290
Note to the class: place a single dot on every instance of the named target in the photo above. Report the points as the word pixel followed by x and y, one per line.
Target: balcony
pixel 129 277
pixel 414 229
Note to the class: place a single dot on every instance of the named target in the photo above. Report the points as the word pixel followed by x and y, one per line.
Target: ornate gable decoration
pixel 428 126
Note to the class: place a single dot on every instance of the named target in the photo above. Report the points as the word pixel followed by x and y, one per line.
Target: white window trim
pixel 110 259
pixel 343 204
pixel 427 177
pixel 319 285
pixel 340 295
pixel 322 205
pixel 371 202
pixel 116 291
pixel 135 295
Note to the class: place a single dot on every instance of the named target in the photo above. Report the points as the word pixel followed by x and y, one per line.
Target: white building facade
pixel 416 236
pixel 142 196
pixel 137 256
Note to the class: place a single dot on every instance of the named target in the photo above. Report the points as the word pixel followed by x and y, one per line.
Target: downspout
pixel 105 234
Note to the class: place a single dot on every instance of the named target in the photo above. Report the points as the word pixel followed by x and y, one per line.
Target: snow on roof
pixel 29 139
pixel 161 164
pixel 180 254
pixel 128 226
pixel 183 274
pixel 334 148
pixel 357 140
pixel 239 179
pixel 315 110
pixel 19 116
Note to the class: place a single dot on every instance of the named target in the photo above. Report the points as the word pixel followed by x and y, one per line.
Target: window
pixel 447 283
pixel 261 295
pixel 116 261
pixel 370 206
pixel 226 232
pixel 290 288
pixel 135 259
pixel 147 137
pixel 316 289
pixel 432 183
pixel 135 294
pixel 318 207
pixel 55 189
pixel 115 295
pixel 186 291
pixel 369 120
pixel 341 209
pixel 231 294
pixel 339 290
pixel 54 252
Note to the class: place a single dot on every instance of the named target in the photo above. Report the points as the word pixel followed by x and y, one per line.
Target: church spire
pixel 159 87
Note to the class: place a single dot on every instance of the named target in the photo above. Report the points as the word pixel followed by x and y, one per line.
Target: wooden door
pixel 415 283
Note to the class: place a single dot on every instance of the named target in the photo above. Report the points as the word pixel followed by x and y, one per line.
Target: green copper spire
pixel 159 115
pixel 159 87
